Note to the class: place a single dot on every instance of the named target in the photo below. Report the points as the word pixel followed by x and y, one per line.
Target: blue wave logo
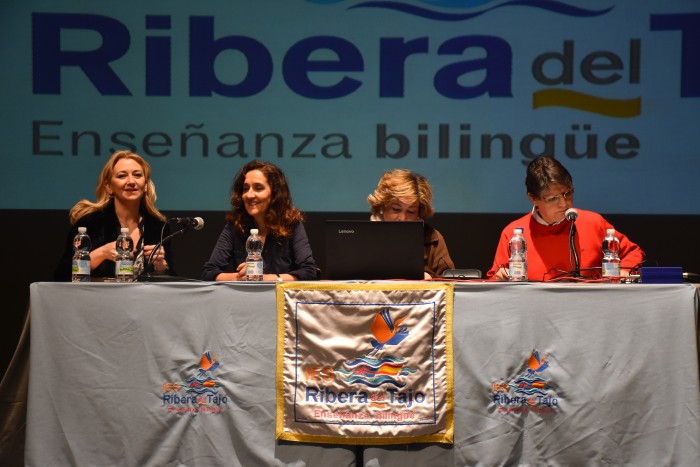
pixel 429 11
pixel 198 385
pixel 529 386
pixel 375 373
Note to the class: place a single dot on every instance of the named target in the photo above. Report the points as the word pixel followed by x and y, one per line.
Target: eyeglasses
pixel 556 198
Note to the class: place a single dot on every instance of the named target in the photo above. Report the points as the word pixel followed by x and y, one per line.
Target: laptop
pixel 368 250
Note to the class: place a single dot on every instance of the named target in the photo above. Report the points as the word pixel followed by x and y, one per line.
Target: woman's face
pixel 128 182
pixel 257 195
pixel 553 202
pixel 398 211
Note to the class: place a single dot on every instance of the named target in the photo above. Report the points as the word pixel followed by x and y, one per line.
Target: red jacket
pixel 548 247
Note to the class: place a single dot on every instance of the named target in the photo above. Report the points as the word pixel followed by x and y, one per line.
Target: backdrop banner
pixel 336 92
pixel 365 363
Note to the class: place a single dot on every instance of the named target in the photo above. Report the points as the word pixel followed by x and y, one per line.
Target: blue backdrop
pixel 338 91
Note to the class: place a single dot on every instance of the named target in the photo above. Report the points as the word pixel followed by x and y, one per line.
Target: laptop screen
pixel 367 250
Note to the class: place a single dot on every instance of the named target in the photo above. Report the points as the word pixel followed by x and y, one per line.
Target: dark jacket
pixel 103 227
pixel 280 255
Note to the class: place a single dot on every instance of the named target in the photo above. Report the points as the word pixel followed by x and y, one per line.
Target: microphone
pixel 571 214
pixel 196 223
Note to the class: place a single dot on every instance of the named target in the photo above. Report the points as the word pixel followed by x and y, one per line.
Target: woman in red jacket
pixel 546 230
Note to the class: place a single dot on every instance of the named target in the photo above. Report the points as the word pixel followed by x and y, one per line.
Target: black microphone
pixel 196 223
pixel 571 215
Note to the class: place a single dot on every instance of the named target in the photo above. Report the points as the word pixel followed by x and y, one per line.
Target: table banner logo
pixel 200 393
pixel 529 391
pixel 365 363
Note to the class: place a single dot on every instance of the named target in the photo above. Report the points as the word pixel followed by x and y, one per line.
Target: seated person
pixel 261 199
pixel 126 197
pixel 402 195
pixel 546 230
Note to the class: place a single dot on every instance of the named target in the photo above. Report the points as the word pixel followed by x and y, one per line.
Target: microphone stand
pixel 148 269
pixel 577 265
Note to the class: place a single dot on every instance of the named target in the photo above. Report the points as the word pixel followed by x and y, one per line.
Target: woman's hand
pixel 108 251
pixel 158 259
pixel 240 272
pixel 237 275
pixel 501 275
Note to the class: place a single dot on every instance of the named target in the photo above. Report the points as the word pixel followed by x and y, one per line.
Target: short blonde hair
pixel 403 186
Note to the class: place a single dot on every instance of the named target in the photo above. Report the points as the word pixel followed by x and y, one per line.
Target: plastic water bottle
pixel 517 264
pixel 611 258
pixel 81 257
pixel 124 269
pixel 254 262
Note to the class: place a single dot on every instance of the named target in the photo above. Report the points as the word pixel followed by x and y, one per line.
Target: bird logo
pixel 386 331
pixel 537 364
pixel 208 363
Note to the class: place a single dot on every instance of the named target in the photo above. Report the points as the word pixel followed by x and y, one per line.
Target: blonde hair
pixel 84 207
pixel 403 186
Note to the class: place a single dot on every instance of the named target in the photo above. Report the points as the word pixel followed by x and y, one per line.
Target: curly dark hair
pixel 280 218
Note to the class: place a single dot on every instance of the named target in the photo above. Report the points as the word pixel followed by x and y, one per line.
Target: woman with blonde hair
pixel 402 195
pixel 126 197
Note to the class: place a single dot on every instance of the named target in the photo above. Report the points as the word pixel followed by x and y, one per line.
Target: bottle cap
pixel 125 230
pixel 82 230
pixel 610 231
pixel 253 231
pixel 518 230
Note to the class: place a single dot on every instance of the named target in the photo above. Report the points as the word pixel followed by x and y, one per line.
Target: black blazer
pixel 103 227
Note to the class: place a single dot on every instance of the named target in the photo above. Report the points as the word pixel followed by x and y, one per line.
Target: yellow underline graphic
pixel 620 108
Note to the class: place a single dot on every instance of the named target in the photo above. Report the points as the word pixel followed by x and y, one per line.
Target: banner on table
pixel 365 363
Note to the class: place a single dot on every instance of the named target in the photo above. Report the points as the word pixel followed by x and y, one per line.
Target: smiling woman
pixel 126 197
pixel 261 199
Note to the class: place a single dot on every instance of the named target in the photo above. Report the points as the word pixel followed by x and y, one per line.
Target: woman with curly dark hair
pixel 261 200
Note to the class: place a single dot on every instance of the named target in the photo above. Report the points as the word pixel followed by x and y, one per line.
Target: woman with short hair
pixel 550 189
pixel 402 195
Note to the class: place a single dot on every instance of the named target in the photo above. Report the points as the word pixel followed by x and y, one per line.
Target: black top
pixel 103 227
pixel 280 255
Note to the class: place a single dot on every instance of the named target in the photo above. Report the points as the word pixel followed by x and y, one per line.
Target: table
pixel 623 365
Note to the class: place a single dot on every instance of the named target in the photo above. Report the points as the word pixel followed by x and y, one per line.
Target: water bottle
pixel 124 269
pixel 611 258
pixel 81 257
pixel 254 262
pixel 517 264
